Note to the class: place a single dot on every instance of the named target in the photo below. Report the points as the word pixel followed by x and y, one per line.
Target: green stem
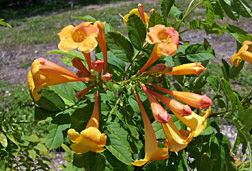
pixel 188 11
pixel 245 101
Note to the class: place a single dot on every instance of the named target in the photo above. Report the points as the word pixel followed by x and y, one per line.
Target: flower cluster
pixel 165 40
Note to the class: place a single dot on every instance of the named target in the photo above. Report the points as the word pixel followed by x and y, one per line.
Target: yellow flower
pixel 244 54
pixel 81 37
pixel 166 37
pixel 139 12
pixel 159 113
pixel 152 151
pixel 155 55
pixel 176 139
pixel 102 43
pixel 46 73
pixel 185 69
pixel 90 139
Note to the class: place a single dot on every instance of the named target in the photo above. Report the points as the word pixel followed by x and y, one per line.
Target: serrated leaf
pixel 119 150
pixel 198 52
pixel 49 100
pixel 234 71
pixel 155 19
pixel 73 53
pixel 119 46
pixel 229 9
pixel 57 131
pixel 86 18
pixel 136 31
pixel 3 140
pixel 217 9
pixel 243 8
pixel 166 6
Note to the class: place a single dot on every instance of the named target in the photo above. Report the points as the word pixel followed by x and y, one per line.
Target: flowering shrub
pixel 122 108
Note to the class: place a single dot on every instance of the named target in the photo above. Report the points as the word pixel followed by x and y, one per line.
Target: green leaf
pixel 166 6
pixel 32 154
pixel 2 165
pixel 155 166
pixel 231 94
pixel 217 9
pixel 57 131
pixel 136 31
pixel 98 163
pixel 234 71
pixel 209 130
pixel 213 82
pixel 119 46
pixel 247 120
pixel 41 113
pixel 133 103
pixel 31 138
pixel 210 12
pixel 243 8
pixel 83 112
pixel 158 129
pixel 73 53
pixel 67 60
pixel 229 9
pixel 3 140
pixel 241 112
pixel 41 148
pixel 84 160
pixel 4 23
pixel 225 69
pixel 65 92
pixel 112 161
pixel 67 149
pixel 49 100
pixel 198 52
pixel 155 19
pixel 236 32
pixel 86 18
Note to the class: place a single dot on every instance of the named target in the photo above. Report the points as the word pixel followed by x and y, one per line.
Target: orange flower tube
pixel 155 55
pixel 167 39
pixel 159 113
pixel 192 99
pixel 79 65
pixel 152 151
pixel 90 139
pixel 102 43
pixel 186 69
pixel 82 93
pixel 46 73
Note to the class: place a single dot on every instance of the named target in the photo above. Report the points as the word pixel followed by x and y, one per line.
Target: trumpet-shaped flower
pixel 166 37
pixel 244 54
pixel 159 113
pixel 90 139
pixel 173 105
pixel 152 151
pixel 46 73
pixel 155 55
pixel 185 69
pixel 139 12
pixel 176 139
pixel 192 99
pixel 81 37
pixel 102 43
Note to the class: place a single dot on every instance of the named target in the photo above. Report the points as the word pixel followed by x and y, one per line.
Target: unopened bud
pixel 98 65
pixel 106 77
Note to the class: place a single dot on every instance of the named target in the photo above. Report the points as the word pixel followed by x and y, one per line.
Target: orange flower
pixel 159 113
pixel 166 37
pixel 157 69
pixel 244 54
pixel 83 92
pixel 155 55
pixel 106 77
pixel 152 151
pixel 79 65
pixel 192 99
pixel 98 65
pixel 90 139
pixel 139 12
pixel 102 43
pixel 46 73
pixel 81 37
pixel 185 69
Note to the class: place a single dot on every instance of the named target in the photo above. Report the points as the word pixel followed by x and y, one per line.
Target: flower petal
pixel 88 45
pixel 67 45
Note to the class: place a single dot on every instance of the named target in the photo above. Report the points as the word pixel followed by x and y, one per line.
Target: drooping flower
pixel 192 99
pixel 152 151
pixel 90 139
pixel 185 69
pixel 176 139
pixel 159 113
pixel 243 54
pixel 46 73
pixel 81 37
pixel 166 37
pixel 139 12
pixel 102 43
pixel 155 55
